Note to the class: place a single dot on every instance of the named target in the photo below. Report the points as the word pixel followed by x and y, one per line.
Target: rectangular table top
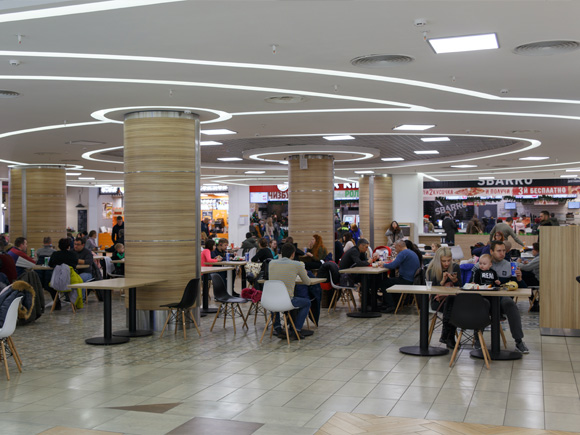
pixel 118 283
pixel 43 267
pixel 209 269
pixel 231 263
pixel 299 281
pixel 437 290
pixel 365 270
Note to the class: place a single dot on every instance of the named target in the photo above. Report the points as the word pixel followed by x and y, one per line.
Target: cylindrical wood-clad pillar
pixel 162 164
pixel 311 199
pixel 37 203
pixel 375 207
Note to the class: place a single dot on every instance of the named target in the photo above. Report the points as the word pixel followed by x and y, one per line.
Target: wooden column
pixel 311 199
pixel 37 204
pixel 559 291
pixel 381 212
pixel 162 203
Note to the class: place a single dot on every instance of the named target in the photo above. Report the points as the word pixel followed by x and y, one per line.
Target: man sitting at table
pixel 355 256
pixel 286 270
pixel 249 243
pixel 63 256
pixel 220 251
pixel 84 257
pixel 18 252
pixel 407 262
pixel 508 306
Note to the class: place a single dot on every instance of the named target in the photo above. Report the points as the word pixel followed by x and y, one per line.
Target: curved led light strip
pixel 326 151
pixel 315 71
pixel 101 115
pixel 88 154
pixel 208 85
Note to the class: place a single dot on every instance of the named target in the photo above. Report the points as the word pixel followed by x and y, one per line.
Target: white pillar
pixel 408 201
pixel 94 210
pixel 238 213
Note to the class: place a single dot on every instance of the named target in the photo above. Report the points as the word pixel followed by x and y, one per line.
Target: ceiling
pixel 279 74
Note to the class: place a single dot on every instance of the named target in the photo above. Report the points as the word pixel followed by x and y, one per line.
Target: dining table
pixel 366 272
pixel 107 285
pixel 234 264
pixel 423 294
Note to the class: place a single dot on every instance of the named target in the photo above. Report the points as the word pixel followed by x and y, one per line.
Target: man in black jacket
pixel 450 228
pixel 357 255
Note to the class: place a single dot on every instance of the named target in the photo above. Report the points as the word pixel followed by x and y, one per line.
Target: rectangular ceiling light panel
pixel 457 44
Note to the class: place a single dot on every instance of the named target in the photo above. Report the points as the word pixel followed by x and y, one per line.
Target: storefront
pixel 215 205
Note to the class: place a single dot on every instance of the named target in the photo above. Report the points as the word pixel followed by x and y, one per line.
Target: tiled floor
pixel 349 365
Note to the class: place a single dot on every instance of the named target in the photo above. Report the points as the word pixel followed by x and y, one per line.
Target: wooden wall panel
pixel 383 208
pixel 559 267
pixel 311 201
pixel 161 215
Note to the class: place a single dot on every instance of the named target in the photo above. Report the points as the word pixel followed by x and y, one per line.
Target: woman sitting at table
pixel 443 272
pixel 315 253
pixel 347 241
pixel 394 234
pixel 264 253
pixel 206 253
pixel 274 248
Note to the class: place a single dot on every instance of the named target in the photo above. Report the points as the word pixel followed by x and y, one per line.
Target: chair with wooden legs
pixel 5 336
pixel 276 299
pixel 344 293
pixel 228 304
pixel 183 308
pixel 471 311
pixel 255 308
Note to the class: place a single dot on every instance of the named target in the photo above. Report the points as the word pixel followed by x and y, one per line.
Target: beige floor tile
pixel 524 418
pixel 447 412
pixel 485 415
pixel 375 406
pixel 385 391
pixel 420 394
pixel 497 385
pixel 244 395
pixel 323 386
pixel 355 389
pixel 525 402
pixel 258 413
pixel 276 398
pixel 559 377
pixel 561 421
pixel 410 409
pixel 565 390
pixel 306 400
pixel 429 380
pixel 454 397
pixel 338 374
pixel 525 387
pixel 562 404
pixel 557 366
pixel 143 423
pixel 340 404
pixel 489 398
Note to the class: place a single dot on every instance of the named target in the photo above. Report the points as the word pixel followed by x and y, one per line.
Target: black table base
pixel 108 338
pixel 502 355
pixel 133 331
pixel 430 351
pixel 363 313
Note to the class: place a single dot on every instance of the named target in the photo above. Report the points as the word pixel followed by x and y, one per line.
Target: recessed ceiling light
pixel 392 159
pixel 435 139
pixel 414 127
pixel 229 159
pixel 338 137
pixel 86 178
pixel 464 166
pixel 73 174
pixel 364 172
pixel 218 131
pixel 205 143
pixel 283 162
pixel 255 172
pixel 573 170
pixel 486 178
pixel 456 44
pixel 428 176
pixel 427 152
pixel 534 158
pixel 568 176
pixel 210 184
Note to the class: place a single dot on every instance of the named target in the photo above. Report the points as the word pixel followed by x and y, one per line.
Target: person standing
pixel 205 226
pixel 118 227
pixel 92 244
pixel 506 229
pixel 394 234
pixel 450 228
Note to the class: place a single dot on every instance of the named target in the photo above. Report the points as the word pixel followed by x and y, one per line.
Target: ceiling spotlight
pixel 364 172
pixel 435 139
pixel 73 174
pixel 255 172
pixel 218 131
pixel 283 162
pixel 86 178
pixel 456 44
pixel 338 137
pixel 414 127
pixel 392 159
pixel 427 152
pixel 463 166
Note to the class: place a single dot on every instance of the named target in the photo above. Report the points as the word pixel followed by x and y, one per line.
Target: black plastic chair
pixel 183 308
pixel 228 303
pixel 471 311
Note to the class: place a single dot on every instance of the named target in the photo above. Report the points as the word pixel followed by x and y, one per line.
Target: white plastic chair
pixel 5 336
pixel 251 253
pixel 110 268
pixel 345 293
pixel 457 253
pixel 275 298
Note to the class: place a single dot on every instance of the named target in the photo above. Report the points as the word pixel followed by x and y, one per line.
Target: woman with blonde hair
pixel 443 272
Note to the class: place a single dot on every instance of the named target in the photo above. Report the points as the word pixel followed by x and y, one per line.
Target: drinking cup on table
pixel 428 284
pixel 227 257
pixel 46 259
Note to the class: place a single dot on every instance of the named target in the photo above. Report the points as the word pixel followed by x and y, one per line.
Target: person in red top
pixel 206 254
pixel 19 250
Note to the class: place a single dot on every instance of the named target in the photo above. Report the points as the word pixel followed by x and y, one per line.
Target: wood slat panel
pixel 15 193
pixel 311 201
pixel 383 208
pixel 559 266
pixel 161 216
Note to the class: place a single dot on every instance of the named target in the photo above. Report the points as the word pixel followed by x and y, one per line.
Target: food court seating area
pixel 349 365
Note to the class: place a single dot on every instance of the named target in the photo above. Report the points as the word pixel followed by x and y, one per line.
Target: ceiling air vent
pixel 546 48
pixel 285 99
pixel 8 94
pixel 381 60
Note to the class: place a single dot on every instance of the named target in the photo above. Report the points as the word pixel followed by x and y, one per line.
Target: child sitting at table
pixel 485 275
pixel 119 254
